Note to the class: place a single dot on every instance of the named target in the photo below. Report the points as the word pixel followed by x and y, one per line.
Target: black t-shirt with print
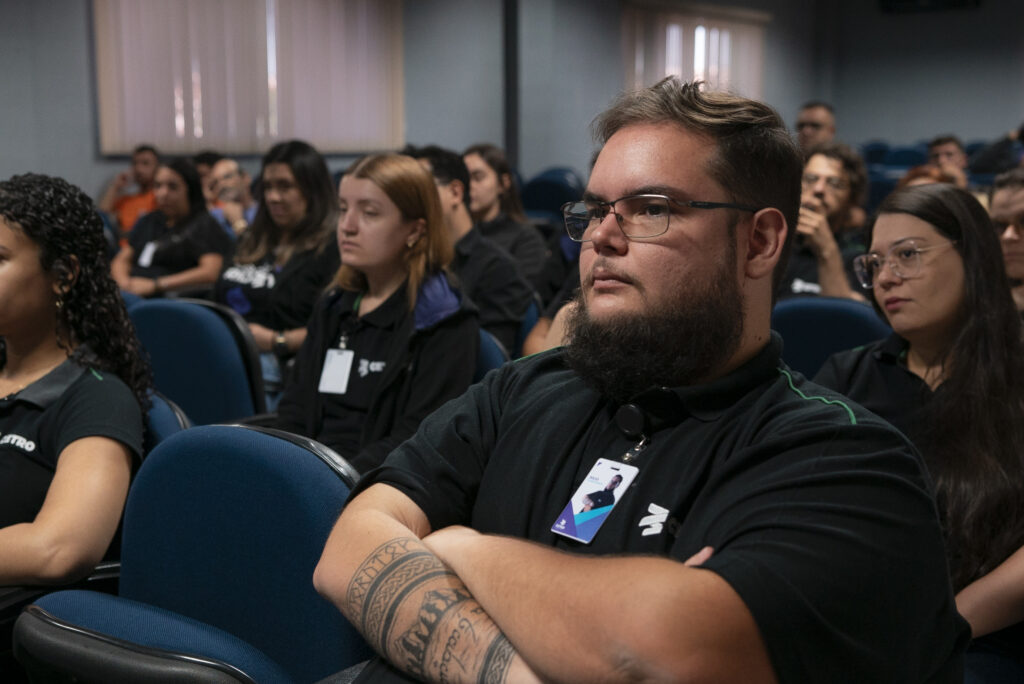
pixel 38 423
pixel 161 250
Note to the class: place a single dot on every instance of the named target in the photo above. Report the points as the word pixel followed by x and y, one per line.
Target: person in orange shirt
pixel 128 207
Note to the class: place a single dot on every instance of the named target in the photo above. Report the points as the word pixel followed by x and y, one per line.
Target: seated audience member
pixel 204 162
pixel 236 207
pixel 286 258
pixel 486 273
pixel 128 207
pixel 72 386
pixel 834 180
pixel 177 246
pixel 946 153
pixel 394 340
pixel 764 530
pixel 925 174
pixel 951 378
pixel 495 206
pixel 1002 155
pixel 1006 207
pixel 815 125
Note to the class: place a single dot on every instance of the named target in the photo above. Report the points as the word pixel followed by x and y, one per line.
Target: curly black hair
pixel 91 320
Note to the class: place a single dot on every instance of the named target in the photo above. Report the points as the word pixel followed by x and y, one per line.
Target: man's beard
pixel 678 343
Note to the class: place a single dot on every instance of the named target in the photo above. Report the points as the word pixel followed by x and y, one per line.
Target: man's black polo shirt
pixel 819 512
pixel 37 423
pixel 490 278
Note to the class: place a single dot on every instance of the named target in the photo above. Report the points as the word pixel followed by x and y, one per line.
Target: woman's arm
pixel 995 600
pixel 121 267
pixel 205 273
pixel 78 519
pixel 265 337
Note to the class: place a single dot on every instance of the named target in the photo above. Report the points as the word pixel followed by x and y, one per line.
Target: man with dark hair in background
pixel 815 125
pixel 833 182
pixel 1006 207
pixel 232 187
pixel 127 207
pixel 486 272
pixel 947 153
pixel 770 531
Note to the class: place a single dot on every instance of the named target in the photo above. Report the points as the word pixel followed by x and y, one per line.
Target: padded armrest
pixel 101 638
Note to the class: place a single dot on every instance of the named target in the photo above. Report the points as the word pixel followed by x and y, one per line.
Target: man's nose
pixel 608 235
pixel 1012 232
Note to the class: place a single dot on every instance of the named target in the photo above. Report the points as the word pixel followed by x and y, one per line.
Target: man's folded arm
pixel 407 604
pixel 608 618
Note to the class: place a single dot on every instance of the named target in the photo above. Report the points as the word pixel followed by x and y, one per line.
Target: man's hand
pixel 814 226
pixel 233 211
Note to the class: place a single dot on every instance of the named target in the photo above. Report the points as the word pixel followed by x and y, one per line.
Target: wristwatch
pixel 281 344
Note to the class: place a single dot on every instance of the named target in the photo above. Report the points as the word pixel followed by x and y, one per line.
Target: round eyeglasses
pixel 903 258
pixel 638 216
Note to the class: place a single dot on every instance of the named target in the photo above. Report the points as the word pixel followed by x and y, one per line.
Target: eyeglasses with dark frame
pixel 638 216
pixel 903 258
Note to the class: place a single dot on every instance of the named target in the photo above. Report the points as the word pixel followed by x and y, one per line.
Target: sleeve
pixel 830 532
pixel 502 297
pixel 99 405
pixel 294 303
pixel 440 467
pixel 440 373
pixel 297 406
pixel 206 237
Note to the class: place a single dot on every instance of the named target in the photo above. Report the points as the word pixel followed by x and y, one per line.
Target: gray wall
pixel 902 77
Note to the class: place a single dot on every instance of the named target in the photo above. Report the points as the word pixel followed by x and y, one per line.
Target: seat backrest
pixel 225 525
pixel 200 358
pixel 814 328
pixel 550 189
pixel 530 319
pixel 490 355
pixel 163 419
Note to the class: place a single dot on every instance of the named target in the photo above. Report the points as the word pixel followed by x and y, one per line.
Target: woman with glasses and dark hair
pixel 286 258
pixel 72 386
pixel 393 339
pixel 498 211
pixel 951 377
pixel 177 247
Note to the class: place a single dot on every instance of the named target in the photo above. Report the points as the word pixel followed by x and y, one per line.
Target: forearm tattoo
pixel 451 639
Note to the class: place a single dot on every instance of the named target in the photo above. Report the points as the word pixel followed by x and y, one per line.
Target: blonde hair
pixel 411 187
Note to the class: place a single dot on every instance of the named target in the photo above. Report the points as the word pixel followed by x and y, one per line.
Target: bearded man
pixel 765 528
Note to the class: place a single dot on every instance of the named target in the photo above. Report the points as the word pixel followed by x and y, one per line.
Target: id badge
pixel 146 256
pixel 589 507
pixel 337 367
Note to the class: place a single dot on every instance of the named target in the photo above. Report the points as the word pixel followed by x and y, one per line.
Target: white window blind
pixel 238 75
pixel 720 46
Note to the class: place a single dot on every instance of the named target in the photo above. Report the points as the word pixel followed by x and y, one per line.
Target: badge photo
pixel 601 490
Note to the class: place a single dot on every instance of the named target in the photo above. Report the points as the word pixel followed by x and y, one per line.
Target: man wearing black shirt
pixel 769 530
pixel 487 274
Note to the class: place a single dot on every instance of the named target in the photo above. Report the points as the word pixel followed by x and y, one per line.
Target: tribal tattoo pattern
pixel 451 640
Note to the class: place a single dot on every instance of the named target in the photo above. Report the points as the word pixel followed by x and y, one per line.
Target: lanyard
pixel 343 338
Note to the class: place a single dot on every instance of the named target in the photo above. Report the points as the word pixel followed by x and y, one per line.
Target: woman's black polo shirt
pixel 40 421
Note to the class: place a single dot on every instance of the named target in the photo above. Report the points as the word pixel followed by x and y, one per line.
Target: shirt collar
pixel 385 315
pixel 666 406
pixel 892 349
pixel 51 386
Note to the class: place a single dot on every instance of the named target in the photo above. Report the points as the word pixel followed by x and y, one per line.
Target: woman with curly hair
pixel 177 247
pixel 72 386
pixel 951 377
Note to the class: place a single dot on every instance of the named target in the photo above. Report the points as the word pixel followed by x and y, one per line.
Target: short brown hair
pixel 411 187
pixel 853 167
pixel 756 160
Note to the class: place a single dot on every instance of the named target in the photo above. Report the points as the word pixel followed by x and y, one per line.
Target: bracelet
pixel 280 346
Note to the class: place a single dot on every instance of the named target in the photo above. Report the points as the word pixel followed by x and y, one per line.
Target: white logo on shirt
pixel 18 441
pixel 253 275
pixel 653 523
pixel 366 367
pixel 800 286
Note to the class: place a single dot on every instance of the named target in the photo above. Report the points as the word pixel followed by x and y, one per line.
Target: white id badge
pixel 146 256
pixel 337 367
pixel 589 507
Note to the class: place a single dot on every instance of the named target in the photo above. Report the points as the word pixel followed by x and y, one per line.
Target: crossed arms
pixel 458 606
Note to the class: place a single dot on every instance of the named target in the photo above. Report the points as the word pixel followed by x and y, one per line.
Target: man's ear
pixel 766 236
pixel 458 190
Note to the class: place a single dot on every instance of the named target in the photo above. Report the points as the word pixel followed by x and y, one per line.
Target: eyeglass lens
pixel 641 216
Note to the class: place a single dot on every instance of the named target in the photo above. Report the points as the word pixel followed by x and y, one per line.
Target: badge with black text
pixel 589 507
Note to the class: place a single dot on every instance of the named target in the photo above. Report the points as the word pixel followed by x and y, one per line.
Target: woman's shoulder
pixel 439 302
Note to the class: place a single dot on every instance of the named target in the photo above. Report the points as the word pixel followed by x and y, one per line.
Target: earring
pixel 411 242
pixel 60 304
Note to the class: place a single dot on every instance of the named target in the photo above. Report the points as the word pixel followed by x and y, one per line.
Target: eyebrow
pixel 666 190
pixel 900 241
